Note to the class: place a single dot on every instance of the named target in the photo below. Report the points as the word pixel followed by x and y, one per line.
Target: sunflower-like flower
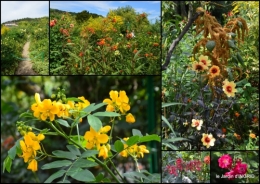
pixel 214 71
pixel 197 123
pixel 208 140
pixel 205 60
pixel 198 67
pixel 229 88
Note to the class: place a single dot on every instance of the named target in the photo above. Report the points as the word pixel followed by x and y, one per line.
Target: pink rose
pixel 225 161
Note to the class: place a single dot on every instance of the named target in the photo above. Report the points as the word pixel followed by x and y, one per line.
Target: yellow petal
pixel 113 95
pixel 40 137
pixel 102 138
pixel 33 165
pixel 37 98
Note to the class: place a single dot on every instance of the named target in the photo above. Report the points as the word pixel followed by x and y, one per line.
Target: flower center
pixel 207 139
pixel 197 123
pixel 199 67
pixel 229 89
pixel 214 70
pixel 204 62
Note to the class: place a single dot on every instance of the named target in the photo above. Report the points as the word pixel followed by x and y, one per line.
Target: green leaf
pixel 83 163
pixel 73 149
pixel 26 114
pixel 239 24
pixel 167 122
pixel 137 132
pixel 64 154
pixel 93 107
pixel 170 104
pixel 132 140
pixel 148 138
pixel 94 122
pixel 64 181
pixel 7 164
pixel 134 175
pixel 63 122
pixel 57 164
pixel 55 175
pixel 231 44
pixel 176 139
pixel 119 146
pixel 74 99
pixel 240 60
pixel 45 131
pixel 84 175
pixel 12 151
pixel 89 153
pixel 73 170
pixel 210 45
pixel 107 114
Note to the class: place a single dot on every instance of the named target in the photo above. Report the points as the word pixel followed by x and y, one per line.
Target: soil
pixel 25 66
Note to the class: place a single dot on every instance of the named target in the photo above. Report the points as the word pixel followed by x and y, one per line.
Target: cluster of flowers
pixel 135 150
pixel 180 165
pixel 207 139
pixel 29 146
pixel 204 64
pixel 239 168
pixel 48 109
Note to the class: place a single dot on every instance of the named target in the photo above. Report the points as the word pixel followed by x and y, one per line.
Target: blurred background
pixel 17 95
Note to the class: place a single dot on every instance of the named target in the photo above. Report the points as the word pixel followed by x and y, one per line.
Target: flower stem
pixel 137 166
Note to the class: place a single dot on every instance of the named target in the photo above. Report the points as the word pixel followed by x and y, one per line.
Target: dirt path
pixel 25 66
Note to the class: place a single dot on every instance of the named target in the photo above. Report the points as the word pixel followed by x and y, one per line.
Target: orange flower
pixel 208 140
pixel 214 71
pixel 81 54
pixel 155 44
pixel 135 51
pixel 198 66
pixel 69 41
pixel 65 32
pixel 237 136
pixel 146 55
pixel 237 114
pixel 129 35
pixel 207 159
pixel 229 88
pixel 91 30
pixel 252 135
pixel 114 47
pixel 255 119
pixel 224 130
pixel 101 42
pixel 53 22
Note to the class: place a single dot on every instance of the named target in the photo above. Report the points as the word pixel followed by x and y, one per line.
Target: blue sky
pixel 152 8
pixel 11 10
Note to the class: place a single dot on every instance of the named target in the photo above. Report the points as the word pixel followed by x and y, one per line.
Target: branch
pixel 178 39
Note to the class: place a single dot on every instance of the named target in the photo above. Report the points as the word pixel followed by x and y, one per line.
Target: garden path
pixel 25 66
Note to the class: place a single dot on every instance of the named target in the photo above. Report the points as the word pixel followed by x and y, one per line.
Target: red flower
pixel 114 47
pixel 240 168
pixel 52 23
pixel 101 42
pixel 230 13
pixel 225 161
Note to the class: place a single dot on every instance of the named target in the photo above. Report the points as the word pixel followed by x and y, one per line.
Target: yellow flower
pixel 118 102
pixel 130 118
pixel 48 109
pixel 29 146
pixel 214 71
pixel 237 136
pixel 103 151
pixel 33 165
pixel 208 140
pixel 205 60
pixel 94 139
pixel 229 88
pixel 252 135
pixel 198 67
pixel 83 105
pixel 197 123
pixel 134 150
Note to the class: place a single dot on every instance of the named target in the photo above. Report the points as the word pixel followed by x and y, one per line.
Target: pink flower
pixel 179 163
pixel 225 161
pixel 172 170
pixel 231 174
pixel 240 168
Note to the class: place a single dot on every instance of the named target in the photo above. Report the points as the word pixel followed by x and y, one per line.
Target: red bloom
pixel 52 23
pixel 225 161
pixel 231 174
pixel 101 42
pixel 240 168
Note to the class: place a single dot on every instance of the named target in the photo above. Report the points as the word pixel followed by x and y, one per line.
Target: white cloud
pixel 11 10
